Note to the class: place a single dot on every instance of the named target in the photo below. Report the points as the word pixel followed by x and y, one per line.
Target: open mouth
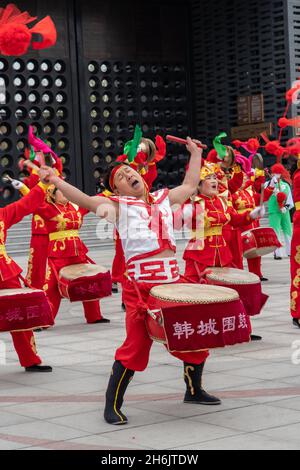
pixel 134 184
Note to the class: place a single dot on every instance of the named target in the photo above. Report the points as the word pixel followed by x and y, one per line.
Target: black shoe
pixel 263 279
pixel 255 338
pixel 296 322
pixel 277 257
pixel 115 288
pixel 123 307
pixel 101 320
pixel 38 368
pixel 194 392
pixel 117 385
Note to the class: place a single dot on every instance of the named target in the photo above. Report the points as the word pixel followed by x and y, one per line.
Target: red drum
pixel 83 282
pixel 194 317
pixel 24 309
pixel 247 285
pixel 259 242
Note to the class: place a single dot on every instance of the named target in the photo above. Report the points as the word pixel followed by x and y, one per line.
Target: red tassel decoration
pixel 14 39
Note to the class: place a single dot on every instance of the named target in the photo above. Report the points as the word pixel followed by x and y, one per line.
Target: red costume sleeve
pixel 235 182
pixel 258 182
pixel 296 186
pixel 267 194
pixel 239 220
pixel 32 180
pixel 15 212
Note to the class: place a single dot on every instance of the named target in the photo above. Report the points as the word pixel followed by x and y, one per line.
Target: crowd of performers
pixel 220 198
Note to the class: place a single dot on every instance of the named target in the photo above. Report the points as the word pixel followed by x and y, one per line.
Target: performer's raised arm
pixel 94 204
pixel 191 180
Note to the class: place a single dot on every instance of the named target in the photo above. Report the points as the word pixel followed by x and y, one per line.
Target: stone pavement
pixel 258 382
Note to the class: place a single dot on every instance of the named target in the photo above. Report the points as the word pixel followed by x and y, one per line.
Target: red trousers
pixel 134 352
pixel 24 342
pixel 91 308
pixel 254 266
pixel 37 262
pixel 295 272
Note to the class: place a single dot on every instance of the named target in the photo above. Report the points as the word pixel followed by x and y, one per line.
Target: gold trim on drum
pixel 196 294
pixel 232 276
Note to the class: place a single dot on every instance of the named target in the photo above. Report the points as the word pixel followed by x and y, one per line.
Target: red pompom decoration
pixel 237 143
pixel 281 198
pixel 283 122
pixel 213 157
pixel 290 93
pixel 273 147
pixel 14 39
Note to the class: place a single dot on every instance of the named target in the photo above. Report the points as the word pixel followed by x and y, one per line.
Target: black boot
pixel 38 368
pixel 296 322
pixel 194 391
pixel 118 382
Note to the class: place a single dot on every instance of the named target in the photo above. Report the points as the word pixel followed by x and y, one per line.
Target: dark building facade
pixel 174 67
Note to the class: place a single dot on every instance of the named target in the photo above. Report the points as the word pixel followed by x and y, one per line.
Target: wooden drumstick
pixel 6 179
pixel 262 190
pixel 178 140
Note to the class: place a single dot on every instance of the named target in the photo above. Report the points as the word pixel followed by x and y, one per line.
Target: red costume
pixel 214 251
pixel 65 248
pixel 9 271
pixel 134 352
pixel 295 249
pixel 244 200
pixel 37 262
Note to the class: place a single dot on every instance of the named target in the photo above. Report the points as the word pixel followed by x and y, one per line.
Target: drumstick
pixel 178 140
pixel 41 157
pixel 6 179
pixel 262 190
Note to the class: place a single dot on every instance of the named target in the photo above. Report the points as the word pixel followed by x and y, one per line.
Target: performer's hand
pixel 17 184
pixel 46 174
pixel 273 182
pixel 192 146
pixel 283 210
pixel 257 212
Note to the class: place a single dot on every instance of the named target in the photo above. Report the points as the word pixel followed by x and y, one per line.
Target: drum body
pixel 84 282
pixel 259 241
pixel 193 317
pixel 24 309
pixel 248 286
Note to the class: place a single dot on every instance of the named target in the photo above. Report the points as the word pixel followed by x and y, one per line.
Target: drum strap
pixel 90 260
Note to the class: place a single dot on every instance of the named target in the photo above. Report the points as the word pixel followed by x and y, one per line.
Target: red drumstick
pixel 178 140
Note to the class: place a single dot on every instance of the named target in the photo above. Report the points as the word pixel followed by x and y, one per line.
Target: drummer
pixel 149 153
pixel 63 221
pixel 210 247
pixel 10 215
pixel 247 199
pixel 132 203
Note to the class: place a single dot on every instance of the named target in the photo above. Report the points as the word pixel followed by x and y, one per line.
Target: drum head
pixel 76 271
pixel 194 293
pixel 21 291
pixel 232 276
